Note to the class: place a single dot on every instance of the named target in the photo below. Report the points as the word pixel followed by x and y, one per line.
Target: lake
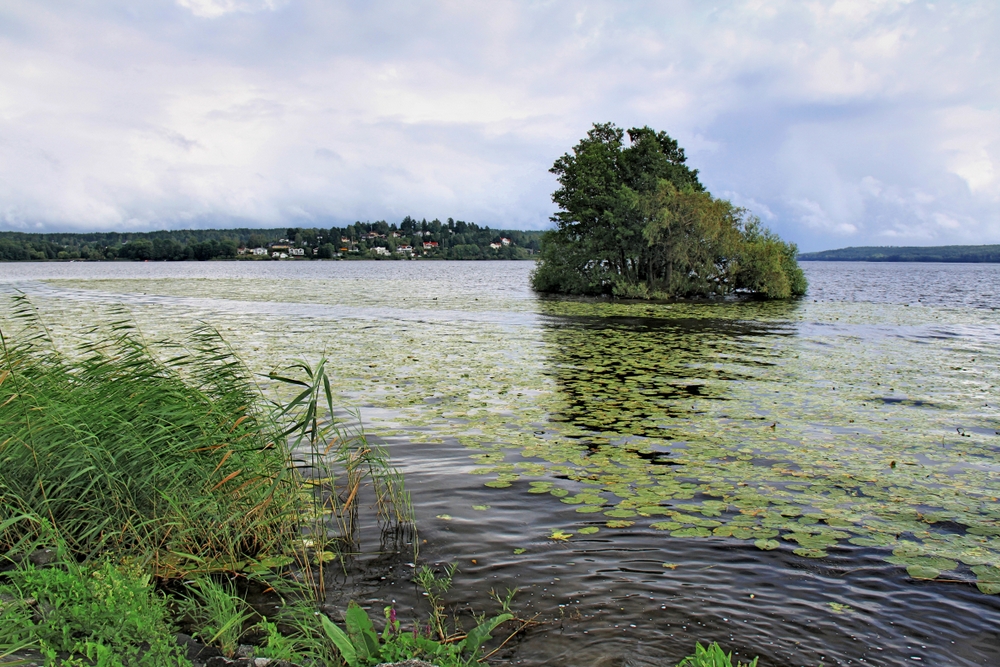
pixel 814 482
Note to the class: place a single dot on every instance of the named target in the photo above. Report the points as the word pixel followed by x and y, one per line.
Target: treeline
pixel 452 239
pixel 945 253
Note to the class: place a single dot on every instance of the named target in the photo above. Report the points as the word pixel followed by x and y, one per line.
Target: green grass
pixel 109 614
pixel 112 448
pixel 174 457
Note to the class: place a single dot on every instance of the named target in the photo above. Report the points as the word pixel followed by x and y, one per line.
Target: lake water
pixel 813 482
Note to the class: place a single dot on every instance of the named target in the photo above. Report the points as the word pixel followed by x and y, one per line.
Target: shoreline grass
pixel 139 467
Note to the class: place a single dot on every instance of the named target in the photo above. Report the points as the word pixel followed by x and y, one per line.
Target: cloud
pixel 838 122
pixel 212 9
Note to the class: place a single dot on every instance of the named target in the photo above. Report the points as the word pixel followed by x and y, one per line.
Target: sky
pixel 839 123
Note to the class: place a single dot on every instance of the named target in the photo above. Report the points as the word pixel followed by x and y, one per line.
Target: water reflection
pixel 624 376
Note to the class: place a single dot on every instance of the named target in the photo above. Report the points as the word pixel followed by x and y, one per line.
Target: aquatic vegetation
pixel 173 458
pixel 712 656
pixel 113 449
pixel 806 426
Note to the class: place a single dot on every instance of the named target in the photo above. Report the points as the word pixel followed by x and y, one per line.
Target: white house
pixel 297 252
pixel 259 251
pixel 380 251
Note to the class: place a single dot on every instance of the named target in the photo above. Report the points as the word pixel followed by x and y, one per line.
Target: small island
pixel 634 221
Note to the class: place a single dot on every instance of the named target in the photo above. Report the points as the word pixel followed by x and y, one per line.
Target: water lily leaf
pixel 497 484
pixel 588 530
pixel 923 572
pixel 559 535
pixel 697 531
pixel 666 525
pixel 519 550
pixel 767 545
pixel 839 608
pixel 810 553
pixel 444 517
pixel 587 509
pixel 481 508
pixel 619 524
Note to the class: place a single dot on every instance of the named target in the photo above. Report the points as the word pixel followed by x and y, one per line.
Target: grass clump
pixel 712 656
pixel 118 450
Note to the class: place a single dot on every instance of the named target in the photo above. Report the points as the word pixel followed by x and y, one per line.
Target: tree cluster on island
pixel 635 222
pixel 452 239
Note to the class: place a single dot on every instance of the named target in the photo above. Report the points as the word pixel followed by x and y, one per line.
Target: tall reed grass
pixel 173 456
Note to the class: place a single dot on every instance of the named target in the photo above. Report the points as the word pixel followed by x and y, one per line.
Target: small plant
pixel 361 646
pixel 104 614
pixel 713 656
pixel 505 600
pixel 434 588
pixel 218 613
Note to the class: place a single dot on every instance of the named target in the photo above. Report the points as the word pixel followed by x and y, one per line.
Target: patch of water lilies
pixel 810 426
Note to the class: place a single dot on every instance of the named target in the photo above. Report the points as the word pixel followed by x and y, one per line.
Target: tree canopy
pixel 635 221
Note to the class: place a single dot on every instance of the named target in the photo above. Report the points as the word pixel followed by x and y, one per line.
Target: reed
pixel 174 456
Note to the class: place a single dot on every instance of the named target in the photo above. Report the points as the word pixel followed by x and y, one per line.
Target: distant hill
pixel 943 253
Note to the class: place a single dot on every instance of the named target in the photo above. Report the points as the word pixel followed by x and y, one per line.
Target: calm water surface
pixel 782 478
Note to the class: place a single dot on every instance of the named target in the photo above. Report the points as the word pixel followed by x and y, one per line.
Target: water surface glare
pixel 815 482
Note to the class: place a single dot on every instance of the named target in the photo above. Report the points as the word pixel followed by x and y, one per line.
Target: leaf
pixel 341 640
pixel 361 631
pixel 588 530
pixel 767 545
pixel 560 535
pixel 923 572
pixel 519 550
pixel 481 633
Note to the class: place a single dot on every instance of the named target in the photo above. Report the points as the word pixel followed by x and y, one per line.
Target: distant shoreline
pixel 957 254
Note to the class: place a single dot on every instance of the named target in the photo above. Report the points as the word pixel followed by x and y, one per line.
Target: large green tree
pixel 635 221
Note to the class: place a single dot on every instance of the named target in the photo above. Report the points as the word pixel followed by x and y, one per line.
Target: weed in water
pixel 434 588
pixel 712 656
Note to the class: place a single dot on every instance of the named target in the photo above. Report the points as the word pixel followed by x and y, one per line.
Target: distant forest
pixel 453 239
pixel 944 253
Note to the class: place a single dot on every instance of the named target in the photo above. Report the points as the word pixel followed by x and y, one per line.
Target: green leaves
pixel 341 641
pixel 481 634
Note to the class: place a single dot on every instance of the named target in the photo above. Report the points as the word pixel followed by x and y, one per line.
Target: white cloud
pixel 836 121
pixel 212 9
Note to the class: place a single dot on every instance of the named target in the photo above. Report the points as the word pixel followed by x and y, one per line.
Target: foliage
pixel 946 253
pixel 713 656
pixel 634 221
pixel 360 645
pixel 177 460
pixel 217 613
pixel 108 614
pixel 435 587
pixel 455 239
